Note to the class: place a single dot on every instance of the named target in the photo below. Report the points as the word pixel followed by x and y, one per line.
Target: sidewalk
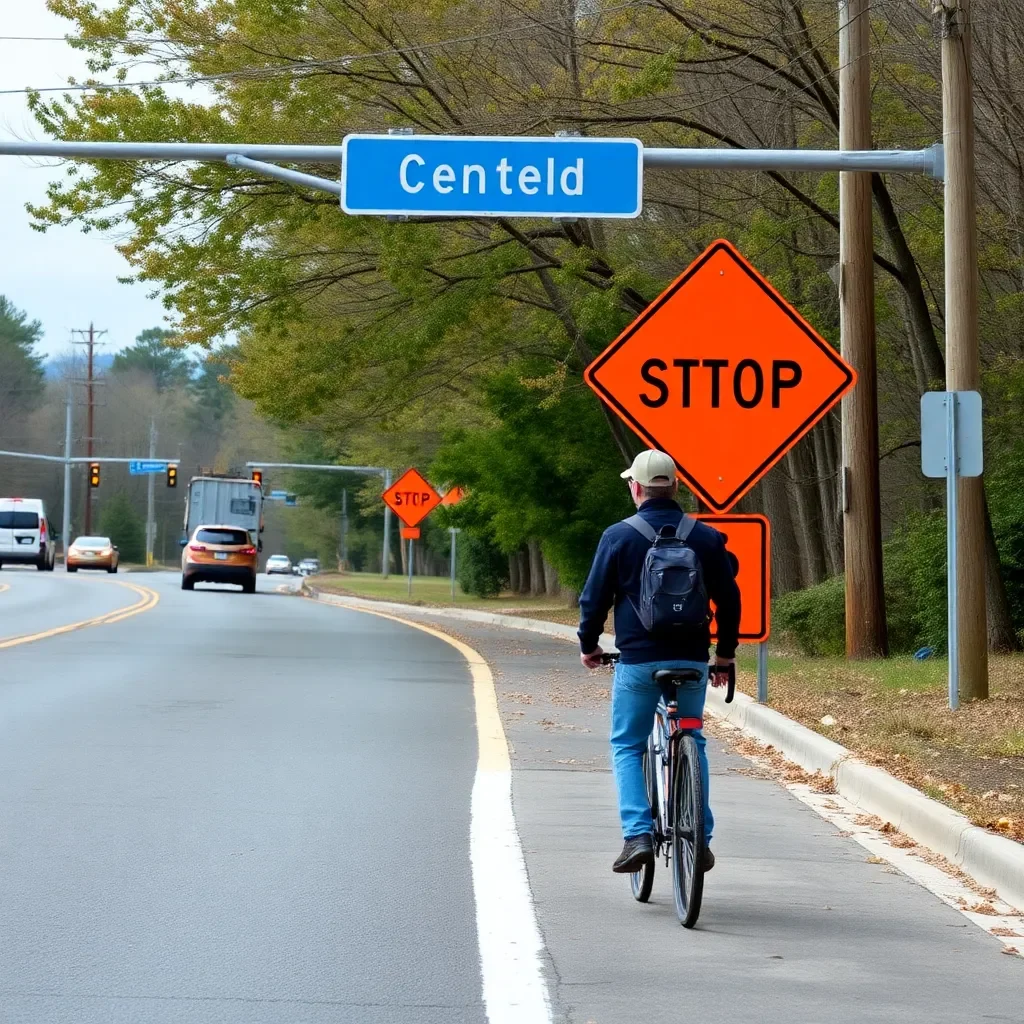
pixel 799 923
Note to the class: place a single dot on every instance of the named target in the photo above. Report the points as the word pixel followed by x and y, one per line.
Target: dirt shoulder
pixel 894 714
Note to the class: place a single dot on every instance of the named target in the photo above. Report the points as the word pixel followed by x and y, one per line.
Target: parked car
pixel 219 554
pixel 26 537
pixel 92 553
pixel 309 566
pixel 279 565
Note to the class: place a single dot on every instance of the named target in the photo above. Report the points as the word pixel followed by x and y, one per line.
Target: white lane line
pixel 511 948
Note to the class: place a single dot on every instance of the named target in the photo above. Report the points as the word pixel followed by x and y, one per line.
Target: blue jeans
pixel 635 697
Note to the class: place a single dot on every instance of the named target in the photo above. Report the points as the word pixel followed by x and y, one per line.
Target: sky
pixel 63 278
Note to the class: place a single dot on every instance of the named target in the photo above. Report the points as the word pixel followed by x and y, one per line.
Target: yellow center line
pixel 147 599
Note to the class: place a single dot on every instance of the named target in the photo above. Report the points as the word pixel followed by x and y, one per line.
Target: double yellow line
pixel 147 599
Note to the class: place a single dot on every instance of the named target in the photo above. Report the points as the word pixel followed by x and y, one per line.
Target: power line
pixel 297 66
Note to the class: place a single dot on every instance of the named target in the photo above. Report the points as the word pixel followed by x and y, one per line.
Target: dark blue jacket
pixel 615 578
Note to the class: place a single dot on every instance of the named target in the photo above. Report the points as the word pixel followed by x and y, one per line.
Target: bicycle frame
pixel 667 732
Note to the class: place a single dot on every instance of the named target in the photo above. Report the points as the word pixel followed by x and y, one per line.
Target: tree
pixel 210 386
pixel 152 354
pixel 123 525
pixel 21 368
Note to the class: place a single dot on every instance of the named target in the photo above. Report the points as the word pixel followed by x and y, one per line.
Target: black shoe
pixel 709 859
pixel 637 851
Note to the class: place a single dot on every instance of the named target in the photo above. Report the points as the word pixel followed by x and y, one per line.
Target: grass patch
pixel 894 713
pixel 436 591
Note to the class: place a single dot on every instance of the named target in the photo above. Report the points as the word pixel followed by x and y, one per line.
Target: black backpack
pixel 672 592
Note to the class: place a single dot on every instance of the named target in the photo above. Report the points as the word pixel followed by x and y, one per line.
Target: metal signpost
pixel 412 499
pixel 453 532
pixel 951 447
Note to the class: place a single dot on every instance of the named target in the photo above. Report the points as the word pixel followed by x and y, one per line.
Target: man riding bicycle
pixel 615 580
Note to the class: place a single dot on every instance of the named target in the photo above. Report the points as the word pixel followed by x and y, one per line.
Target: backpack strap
pixel 685 527
pixel 642 527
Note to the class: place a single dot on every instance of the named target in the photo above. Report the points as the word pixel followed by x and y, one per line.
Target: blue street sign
pixel 139 467
pixel 278 495
pixel 487 176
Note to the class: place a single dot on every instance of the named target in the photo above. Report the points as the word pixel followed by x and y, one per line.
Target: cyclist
pixel 614 580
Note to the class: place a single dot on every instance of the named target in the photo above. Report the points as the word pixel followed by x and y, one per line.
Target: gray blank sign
pixel 968 433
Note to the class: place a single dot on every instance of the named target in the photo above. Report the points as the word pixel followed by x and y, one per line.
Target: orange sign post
pixel 722 373
pixel 748 537
pixel 412 499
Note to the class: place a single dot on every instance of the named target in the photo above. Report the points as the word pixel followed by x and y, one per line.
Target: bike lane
pixel 798 923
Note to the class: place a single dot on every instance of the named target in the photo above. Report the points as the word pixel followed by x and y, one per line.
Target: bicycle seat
pixel 676 676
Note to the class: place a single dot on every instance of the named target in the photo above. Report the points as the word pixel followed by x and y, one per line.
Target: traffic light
pixel 94 474
pixel 172 476
pixel 257 478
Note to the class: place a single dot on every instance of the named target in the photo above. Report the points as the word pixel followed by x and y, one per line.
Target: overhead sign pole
pixel 467 185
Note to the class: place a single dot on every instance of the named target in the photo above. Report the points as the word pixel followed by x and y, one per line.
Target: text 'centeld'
pixel 476 179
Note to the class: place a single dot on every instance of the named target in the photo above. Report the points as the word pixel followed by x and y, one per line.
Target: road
pixel 259 809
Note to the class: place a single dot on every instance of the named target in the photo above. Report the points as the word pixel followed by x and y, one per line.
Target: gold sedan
pixel 92 553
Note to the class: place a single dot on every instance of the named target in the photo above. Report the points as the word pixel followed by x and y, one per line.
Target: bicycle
pixel 676 795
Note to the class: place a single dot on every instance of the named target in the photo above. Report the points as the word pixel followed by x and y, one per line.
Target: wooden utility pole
pixel 89 382
pixel 862 526
pixel 963 364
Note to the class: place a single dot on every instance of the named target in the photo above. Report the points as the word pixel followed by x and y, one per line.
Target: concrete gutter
pixel 992 860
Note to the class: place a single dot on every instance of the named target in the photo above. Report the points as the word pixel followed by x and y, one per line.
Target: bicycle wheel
pixel 687 833
pixel 642 881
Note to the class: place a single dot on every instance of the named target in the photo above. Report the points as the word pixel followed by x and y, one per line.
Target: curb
pixel 992 860
pixel 556 629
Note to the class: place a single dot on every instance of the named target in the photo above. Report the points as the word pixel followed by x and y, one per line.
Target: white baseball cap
pixel 651 469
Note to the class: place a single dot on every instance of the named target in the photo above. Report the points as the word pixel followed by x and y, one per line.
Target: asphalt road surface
pixel 231 808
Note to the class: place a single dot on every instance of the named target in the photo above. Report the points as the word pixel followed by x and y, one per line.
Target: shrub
pixel 814 618
pixel 482 568
pixel 123 525
pixel 914 567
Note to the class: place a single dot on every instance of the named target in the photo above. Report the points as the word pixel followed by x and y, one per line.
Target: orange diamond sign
pixel 411 498
pixel 722 373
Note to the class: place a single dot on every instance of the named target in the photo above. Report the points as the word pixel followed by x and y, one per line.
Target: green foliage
pixel 814 618
pixel 153 354
pixel 482 567
pixel 124 526
pixel 544 470
pixel 210 385
pixel 915 584
pixel 21 369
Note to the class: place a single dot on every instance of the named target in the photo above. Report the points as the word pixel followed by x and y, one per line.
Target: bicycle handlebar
pixel 612 658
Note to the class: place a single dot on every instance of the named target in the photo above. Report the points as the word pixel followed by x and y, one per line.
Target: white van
pixel 25 534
